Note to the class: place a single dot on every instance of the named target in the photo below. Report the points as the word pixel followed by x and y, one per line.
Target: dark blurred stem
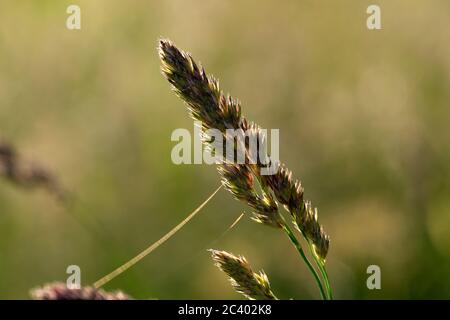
pixel 297 246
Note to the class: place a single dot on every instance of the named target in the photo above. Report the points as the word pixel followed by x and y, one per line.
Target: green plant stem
pixel 297 245
pixel 327 281
pixel 324 273
pixel 321 267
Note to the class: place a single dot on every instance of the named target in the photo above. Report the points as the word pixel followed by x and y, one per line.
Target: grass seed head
pixel 238 179
pixel 59 291
pixel 26 173
pixel 208 104
pixel 254 286
pixel 202 94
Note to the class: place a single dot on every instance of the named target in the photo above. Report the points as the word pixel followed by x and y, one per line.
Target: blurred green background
pixel 363 117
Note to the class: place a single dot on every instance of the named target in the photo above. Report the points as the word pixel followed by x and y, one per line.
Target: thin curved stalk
pixel 154 246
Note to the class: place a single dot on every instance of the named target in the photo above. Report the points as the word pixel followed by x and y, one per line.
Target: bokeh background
pixel 363 118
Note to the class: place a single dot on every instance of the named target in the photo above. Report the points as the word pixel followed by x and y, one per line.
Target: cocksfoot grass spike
pixel 263 193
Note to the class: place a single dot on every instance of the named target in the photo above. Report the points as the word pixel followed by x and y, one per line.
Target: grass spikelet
pixel 289 193
pixel 201 92
pixel 238 179
pixel 253 285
